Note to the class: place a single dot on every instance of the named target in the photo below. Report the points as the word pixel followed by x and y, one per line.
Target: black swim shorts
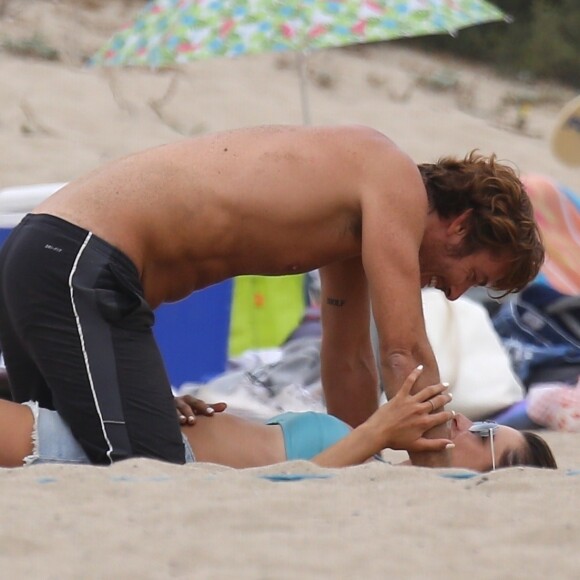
pixel 77 336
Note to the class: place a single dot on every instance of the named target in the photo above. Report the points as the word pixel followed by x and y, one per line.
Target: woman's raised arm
pixel 398 424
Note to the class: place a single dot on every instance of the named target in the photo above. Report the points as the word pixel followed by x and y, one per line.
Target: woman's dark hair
pixel 535 453
pixel 501 218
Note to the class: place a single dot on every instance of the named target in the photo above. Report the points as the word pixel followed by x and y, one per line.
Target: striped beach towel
pixel 557 211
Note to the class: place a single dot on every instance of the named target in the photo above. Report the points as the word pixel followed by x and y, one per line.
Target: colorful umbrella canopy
pixel 169 32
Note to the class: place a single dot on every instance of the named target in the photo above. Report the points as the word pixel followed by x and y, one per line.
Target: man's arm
pixel 394 209
pixel 348 366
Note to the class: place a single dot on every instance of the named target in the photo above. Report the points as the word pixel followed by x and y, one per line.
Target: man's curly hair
pixel 501 219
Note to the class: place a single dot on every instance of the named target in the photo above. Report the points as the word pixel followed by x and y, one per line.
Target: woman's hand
pixel 188 407
pixel 401 423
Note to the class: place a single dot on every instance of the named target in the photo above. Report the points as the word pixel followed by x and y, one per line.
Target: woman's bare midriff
pixel 230 440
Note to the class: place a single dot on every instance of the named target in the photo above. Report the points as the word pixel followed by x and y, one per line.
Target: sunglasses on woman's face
pixel 486 429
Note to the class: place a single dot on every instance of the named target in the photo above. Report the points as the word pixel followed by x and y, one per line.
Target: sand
pixel 60 119
pixel 146 519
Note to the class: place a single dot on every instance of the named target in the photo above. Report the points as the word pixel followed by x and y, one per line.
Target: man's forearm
pixel 353 398
pixel 395 369
pixel 433 458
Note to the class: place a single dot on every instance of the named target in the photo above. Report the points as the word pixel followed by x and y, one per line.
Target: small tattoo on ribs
pixel 335 301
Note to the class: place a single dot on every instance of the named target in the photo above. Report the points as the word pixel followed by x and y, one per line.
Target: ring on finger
pixel 432 405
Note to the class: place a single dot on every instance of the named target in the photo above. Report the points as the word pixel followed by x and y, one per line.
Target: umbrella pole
pixel 301 57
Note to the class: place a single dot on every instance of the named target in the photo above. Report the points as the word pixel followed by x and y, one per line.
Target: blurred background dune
pixel 60 118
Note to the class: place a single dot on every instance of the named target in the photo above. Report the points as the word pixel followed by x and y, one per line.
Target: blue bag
pixel 540 329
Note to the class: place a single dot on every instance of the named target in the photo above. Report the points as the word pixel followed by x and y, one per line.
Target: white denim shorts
pixel 53 441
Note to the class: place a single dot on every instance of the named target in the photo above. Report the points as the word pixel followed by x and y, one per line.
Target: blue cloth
pixel 533 338
pixel 308 434
pixel 517 417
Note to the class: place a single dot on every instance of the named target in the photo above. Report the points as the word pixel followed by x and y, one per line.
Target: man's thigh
pixel 127 399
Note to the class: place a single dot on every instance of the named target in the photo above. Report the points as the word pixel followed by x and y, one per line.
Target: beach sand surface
pixel 146 519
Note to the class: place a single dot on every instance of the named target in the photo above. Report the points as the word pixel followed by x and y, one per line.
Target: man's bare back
pixel 269 200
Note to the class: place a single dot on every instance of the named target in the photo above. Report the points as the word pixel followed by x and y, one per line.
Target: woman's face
pixel 474 452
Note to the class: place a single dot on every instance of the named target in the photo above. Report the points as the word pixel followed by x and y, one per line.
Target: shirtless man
pixel 81 275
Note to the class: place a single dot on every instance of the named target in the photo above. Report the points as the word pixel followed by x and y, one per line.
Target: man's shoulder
pixel 377 146
pixel 382 156
pixel 363 133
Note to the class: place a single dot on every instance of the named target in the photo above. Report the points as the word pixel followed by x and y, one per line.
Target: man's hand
pixel 401 423
pixel 188 407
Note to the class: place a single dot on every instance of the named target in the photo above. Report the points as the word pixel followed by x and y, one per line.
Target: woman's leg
pixel 16 425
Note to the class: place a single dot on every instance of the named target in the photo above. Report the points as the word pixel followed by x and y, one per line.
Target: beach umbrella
pixel 169 32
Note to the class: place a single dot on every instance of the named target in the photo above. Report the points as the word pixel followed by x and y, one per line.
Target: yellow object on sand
pixel 566 135
pixel 265 310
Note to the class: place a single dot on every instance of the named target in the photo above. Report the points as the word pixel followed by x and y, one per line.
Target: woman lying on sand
pixel 31 435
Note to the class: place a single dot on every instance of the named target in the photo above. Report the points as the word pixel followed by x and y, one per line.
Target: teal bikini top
pixel 308 434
